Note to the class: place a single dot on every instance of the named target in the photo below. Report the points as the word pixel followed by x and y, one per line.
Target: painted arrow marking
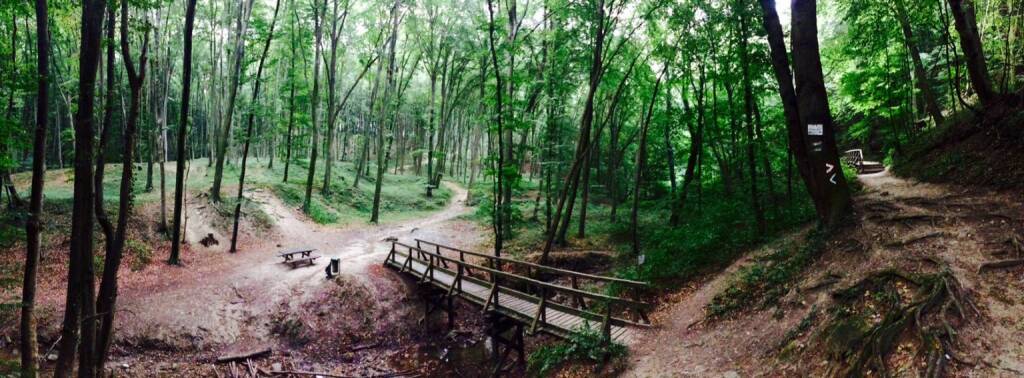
pixel 829 168
pixel 832 179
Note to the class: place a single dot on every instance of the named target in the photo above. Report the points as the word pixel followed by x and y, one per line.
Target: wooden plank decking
pixel 558 320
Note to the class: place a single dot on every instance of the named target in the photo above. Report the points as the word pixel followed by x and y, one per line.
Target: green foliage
pixel 584 345
pixel 12 228
pixel 711 236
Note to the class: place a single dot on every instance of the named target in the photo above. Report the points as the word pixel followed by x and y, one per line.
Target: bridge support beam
pixel 437 299
pixel 506 336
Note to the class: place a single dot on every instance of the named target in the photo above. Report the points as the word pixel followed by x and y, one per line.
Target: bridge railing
pixel 502 282
pixel 534 270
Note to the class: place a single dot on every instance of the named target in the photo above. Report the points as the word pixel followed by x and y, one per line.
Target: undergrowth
pixel 765 282
pixel 583 345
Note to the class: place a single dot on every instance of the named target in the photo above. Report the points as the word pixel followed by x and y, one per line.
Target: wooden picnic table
pixel 299 256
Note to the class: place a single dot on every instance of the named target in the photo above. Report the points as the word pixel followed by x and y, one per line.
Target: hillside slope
pixel 851 298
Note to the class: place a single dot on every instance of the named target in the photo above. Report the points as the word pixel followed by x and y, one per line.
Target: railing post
pixel 606 326
pixel 461 268
pixel 456 283
pixel 541 315
pixel 437 249
pixel 576 297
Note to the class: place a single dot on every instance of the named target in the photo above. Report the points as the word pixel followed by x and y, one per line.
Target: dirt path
pixel 231 301
pixel 961 228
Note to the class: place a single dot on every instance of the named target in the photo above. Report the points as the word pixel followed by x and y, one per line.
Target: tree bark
pixel 385 106
pixel 332 81
pixel 641 157
pixel 248 127
pixel 970 42
pixel 224 133
pixel 79 302
pixel 29 345
pixel 586 121
pixel 748 100
pixel 186 90
pixel 931 102
pixel 827 186
pixel 315 103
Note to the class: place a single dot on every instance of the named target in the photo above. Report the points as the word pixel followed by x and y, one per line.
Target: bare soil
pixel 176 320
pixel 899 223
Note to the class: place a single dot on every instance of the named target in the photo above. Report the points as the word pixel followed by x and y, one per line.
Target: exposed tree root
pixel 935 307
pixel 906 218
pixel 915 239
pixel 1000 264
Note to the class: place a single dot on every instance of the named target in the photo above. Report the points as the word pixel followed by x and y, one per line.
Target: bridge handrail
pixel 531 281
pixel 542 267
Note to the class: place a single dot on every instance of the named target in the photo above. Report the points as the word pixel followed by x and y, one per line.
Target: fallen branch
pixel 243 356
pixel 1000 264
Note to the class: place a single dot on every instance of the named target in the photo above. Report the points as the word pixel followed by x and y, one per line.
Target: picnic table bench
pixel 299 256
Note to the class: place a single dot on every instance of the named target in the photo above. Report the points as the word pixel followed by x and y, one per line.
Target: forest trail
pixel 231 300
pixel 904 224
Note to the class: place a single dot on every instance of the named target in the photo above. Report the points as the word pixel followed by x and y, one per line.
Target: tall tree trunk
pixel 106 226
pixel 248 127
pixel 670 157
pixel 931 103
pixel 291 100
pixel 318 20
pixel 748 100
pixel 970 43
pixel 798 150
pixel 828 186
pixel 79 306
pixel 332 80
pixel 385 106
pixel 224 133
pixel 641 158
pixel 696 146
pixel 107 299
pixel 586 121
pixel 498 209
pixel 186 90
pixel 29 345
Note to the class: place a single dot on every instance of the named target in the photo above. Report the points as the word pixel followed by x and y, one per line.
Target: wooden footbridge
pixel 527 296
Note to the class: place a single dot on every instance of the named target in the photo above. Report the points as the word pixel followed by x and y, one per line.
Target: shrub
pixel 584 344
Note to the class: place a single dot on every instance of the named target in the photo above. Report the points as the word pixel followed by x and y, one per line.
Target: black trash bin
pixel 333 268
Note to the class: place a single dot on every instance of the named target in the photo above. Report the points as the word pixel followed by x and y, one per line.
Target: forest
pixel 635 188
